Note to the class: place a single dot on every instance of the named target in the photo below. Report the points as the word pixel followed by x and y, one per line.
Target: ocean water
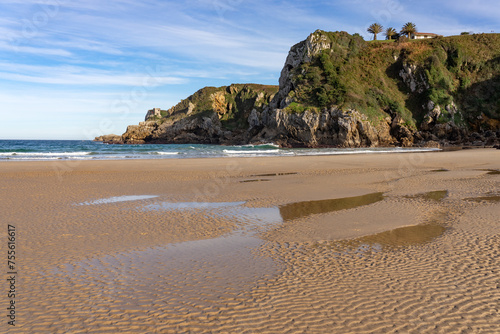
pixel 14 150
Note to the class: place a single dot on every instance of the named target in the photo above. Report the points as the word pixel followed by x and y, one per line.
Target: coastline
pixel 57 150
pixel 50 203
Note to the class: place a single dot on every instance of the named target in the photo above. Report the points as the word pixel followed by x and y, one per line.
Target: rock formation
pixel 338 90
pixel 112 139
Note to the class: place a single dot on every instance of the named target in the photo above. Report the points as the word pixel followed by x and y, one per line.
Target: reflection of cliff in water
pixel 437 196
pixel 307 208
pixel 405 236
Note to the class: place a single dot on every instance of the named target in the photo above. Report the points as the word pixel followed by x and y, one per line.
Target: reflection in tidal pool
pixel 493 198
pixel 438 195
pixel 307 208
pixel 393 239
pixel 440 170
pixel 405 236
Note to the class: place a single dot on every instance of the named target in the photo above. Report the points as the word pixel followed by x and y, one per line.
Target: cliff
pixel 212 115
pixel 337 89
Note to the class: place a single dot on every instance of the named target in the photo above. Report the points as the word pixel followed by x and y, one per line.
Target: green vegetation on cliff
pixel 381 79
pixel 233 103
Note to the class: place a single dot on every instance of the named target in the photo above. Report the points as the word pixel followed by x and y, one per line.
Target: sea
pixel 15 150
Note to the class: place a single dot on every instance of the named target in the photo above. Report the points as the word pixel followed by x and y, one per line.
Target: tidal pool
pixel 303 209
pixel 191 205
pixel 437 196
pixel 405 236
pixel 388 240
pixel 492 198
pixel 203 273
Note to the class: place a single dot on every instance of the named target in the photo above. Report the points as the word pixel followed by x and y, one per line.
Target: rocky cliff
pixel 212 115
pixel 336 89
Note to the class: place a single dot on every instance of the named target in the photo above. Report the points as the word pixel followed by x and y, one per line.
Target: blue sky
pixel 75 69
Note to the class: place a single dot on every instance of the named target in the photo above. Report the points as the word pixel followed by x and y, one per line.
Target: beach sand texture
pixel 373 243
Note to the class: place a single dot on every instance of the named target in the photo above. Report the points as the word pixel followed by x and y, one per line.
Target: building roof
pixel 425 33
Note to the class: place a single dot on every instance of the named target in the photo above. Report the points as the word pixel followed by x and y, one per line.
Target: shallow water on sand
pixel 165 206
pixel 437 196
pixel 201 274
pixel 202 271
pixel 117 199
pixel 405 236
pixel 492 198
pixel 307 208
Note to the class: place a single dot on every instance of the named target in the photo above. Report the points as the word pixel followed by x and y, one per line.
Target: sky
pixel 77 69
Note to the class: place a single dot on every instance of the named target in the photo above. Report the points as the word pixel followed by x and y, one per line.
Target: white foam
pixel 251 152
pixel 167 153
pixel 81 158
pixel 260 145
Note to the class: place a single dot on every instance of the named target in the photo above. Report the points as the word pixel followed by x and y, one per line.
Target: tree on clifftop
pixel 409 29
pixel 374 29
pixel 389 32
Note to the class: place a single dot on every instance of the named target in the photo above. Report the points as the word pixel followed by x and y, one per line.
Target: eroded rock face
pixel 186 130
pixel 139 134
pixel 332 127
pixel 414 78
pixel 219 104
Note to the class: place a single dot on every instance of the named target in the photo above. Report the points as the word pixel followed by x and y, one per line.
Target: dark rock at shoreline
pixel 110 139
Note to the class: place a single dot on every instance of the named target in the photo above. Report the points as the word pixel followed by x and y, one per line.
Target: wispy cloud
pixel 13 48
pixel 87 45
pixel 96 80
pixel 73 75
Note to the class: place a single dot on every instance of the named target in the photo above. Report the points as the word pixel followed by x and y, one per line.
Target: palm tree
pixel 409 29
pixel 374 29
pixel 389 32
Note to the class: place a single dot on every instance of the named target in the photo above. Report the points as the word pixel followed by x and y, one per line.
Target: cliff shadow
pixel 480 101
pixel 480 104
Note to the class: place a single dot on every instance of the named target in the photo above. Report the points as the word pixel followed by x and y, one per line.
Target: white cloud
pixel 97 80
pixel 87 45
pixel 75 75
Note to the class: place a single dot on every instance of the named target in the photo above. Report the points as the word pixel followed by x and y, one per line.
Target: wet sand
pixel 380 243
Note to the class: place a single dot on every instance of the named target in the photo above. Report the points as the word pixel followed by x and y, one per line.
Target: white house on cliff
pixel 424 35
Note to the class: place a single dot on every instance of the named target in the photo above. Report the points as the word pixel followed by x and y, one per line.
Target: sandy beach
pixel 369 243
